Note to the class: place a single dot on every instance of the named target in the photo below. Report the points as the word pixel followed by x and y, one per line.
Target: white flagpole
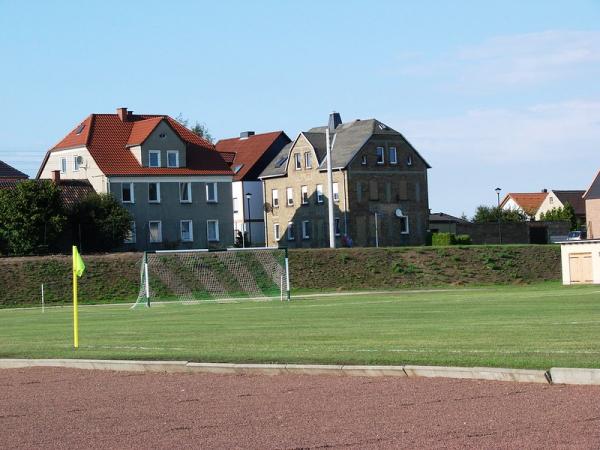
pixel 330 188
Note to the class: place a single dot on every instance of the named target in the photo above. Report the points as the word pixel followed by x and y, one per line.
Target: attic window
pixel 382 126
pixel 162 135
pixel 237 168
pixel 281 161
pixel 80 128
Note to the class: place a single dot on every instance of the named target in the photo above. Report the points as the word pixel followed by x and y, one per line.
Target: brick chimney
pixel 122 113
pixel 56 176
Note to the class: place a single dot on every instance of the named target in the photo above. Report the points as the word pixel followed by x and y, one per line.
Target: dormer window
pixel 172 158
pixel 154 158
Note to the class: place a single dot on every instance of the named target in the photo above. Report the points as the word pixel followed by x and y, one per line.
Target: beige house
pixel 558 199
pixel 592 208
pixel 379 183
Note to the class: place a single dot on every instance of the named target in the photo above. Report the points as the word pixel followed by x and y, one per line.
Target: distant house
pixel 174 183
pixel 558 199
pixel 379 183
pixel 445 223
pixel 71 191
pixel 10 173
pixel 592 208
pixel 526 202
pixel 248 155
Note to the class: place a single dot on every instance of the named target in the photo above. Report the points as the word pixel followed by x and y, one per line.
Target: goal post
pixel 235 274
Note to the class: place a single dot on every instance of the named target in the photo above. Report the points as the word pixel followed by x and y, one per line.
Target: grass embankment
pixel 115 277
pixel 538 326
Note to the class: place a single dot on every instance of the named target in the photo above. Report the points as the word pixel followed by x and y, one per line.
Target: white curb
pixel 562 375
pixel 478 373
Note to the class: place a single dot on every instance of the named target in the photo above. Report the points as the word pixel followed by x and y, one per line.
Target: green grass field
pixel 539 326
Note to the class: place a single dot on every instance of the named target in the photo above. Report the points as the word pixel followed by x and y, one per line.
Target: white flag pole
pixel 330 188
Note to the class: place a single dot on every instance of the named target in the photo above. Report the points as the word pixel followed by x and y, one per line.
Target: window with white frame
pixel 336 193
pixel 154 158
pixel 319 193
pixel 185 192
pixel 127 193
pixel 154 192
pixel 155 230
pixel 363 160
pixel 275 198
pixel 393 155
pixel 131 236
pixel 403 224
pixel 212 230
pixel 298 160
pixel 290 196
pixel 76 163
pixel 187 231
pixel 172 158
pixel 290 231
pixel 380 155
pixel 305 229
pixel 276 232
pixel 211 192
pixel 304 194
pixel 308 160
pixel 63 165
pixel 336 226
pixel 409 160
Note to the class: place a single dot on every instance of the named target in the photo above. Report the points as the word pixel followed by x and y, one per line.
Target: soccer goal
pixel 192 276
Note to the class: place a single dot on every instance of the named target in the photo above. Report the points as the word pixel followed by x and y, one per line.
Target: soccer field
pixel 539 326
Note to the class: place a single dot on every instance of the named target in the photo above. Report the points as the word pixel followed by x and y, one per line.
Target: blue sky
pixel 492 94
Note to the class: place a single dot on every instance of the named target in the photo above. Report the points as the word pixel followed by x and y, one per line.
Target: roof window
pixel 80 128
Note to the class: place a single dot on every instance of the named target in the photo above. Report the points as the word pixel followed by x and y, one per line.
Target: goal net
pixel 192 276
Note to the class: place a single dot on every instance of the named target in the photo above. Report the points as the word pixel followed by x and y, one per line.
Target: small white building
pixel 580 261
pixel 248 156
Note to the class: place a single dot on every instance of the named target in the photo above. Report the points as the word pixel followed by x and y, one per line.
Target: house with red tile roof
pixel 526 202
pixel 248 155
pixel 175 183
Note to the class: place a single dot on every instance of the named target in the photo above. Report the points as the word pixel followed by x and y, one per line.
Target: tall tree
pixel 31 217
pixel 198 128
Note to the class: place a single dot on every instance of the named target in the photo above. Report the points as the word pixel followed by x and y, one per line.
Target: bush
pixel 442 239
pixel 463 239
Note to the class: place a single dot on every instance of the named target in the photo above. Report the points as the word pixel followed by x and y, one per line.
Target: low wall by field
pixel 115 277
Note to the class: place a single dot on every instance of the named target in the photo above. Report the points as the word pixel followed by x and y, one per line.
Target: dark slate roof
pixel 7 171
pixel 71 191
pixel 350 137
pixel 445 218
pixel 278 165
pixel 574 198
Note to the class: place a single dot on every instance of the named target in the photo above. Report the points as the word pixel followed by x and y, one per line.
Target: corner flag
pixel 78 269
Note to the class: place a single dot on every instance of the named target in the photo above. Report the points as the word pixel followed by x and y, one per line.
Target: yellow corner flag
pixel 78 269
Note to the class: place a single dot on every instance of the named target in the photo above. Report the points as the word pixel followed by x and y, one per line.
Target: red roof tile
pixel 107 138
pixel 248 151
pixel 529 202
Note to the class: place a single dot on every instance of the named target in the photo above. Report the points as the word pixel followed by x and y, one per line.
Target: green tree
pixel 100 222
pixel 487 214
pixel 198 128
pixel 565 213
pixel 31 217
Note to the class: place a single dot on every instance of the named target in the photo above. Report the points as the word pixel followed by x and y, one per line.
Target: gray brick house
pixel 376 171
pixel 175 184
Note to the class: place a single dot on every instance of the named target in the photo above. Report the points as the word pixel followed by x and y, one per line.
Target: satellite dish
pixel 399 213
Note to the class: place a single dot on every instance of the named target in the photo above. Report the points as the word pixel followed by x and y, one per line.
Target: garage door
pixel 580 266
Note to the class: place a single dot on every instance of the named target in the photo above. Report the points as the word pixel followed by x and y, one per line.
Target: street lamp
pixel 499 216
pixel 248 197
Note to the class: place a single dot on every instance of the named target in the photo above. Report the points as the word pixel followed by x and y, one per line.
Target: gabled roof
pixel 350 138
pixel 71 191
pixel 108 139
pixel 574 198
pixel 446 218
pixel 278 165
pixel 251 152
pixel 594 190
pixel 7 171
pixel 529 202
